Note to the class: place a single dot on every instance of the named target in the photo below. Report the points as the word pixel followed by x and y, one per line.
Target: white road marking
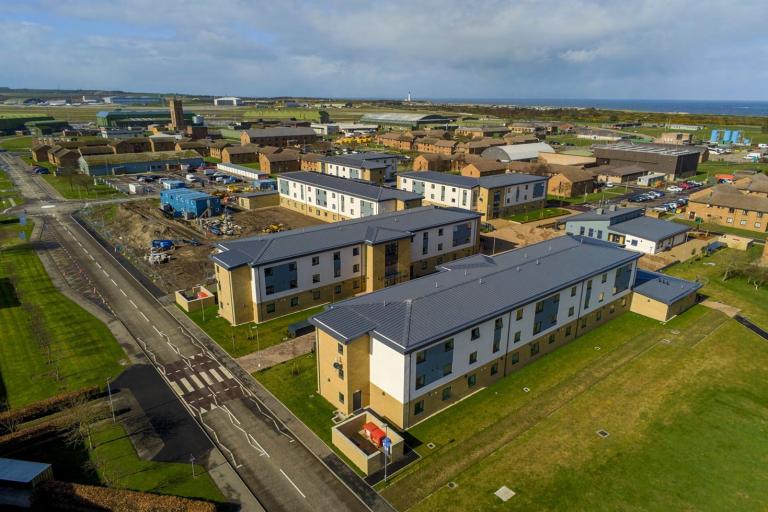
pixel 216 375
pixel 206 378
pixel 124 294
pixel 85 251
pixel 176 388
pixel 225 372
pixel 143 316
pixel 293 484
pixel 98 264
pixel 133 304
pixel 197 381
pixel 187 385
pixel 105 272
pixel 158 331
pixel 92 258
pixel 113 281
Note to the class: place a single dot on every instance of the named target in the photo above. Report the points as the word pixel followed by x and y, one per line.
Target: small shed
pixel 18 478
pixel 652 179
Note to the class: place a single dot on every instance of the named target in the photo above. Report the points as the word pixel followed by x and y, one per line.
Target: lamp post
pixel 258 346
pixel 111 405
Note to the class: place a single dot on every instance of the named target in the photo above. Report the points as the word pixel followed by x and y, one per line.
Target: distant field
pixel 684 405
pixel 16 143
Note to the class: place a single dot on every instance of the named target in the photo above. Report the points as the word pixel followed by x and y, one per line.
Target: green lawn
pixel 80 186
pixel 719 228
pixel 304 114
pixel 122 468
pixel 82 347
pixel 735 291
pixel 212 160
pixel 16 143
pixel 254 165
pixel 270 333
pixel 8 191
pixel 709 169
pixel 685 406
pixel 541 213
pixel 604 194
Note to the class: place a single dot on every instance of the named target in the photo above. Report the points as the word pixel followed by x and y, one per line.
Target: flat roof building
pixel 411 350
pixel 279 136
pixel 675 162
pixel 272 275
pixel 492 196
pixel 331 198
pixel 122 118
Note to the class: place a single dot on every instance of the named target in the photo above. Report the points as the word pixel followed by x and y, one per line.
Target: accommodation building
pixel 162 143
pixel 198 146
pixel 676 162
pixel 491 196
pixel 411 350
pixel 244 154
pixel 618 173
pixel 368 166
pixel 431 162
pixel 331 198
pixel 311 162
pixel 95 150
pixel 132 163
pixel 435 145
pixel 628 227
pixel 39 152
pixel 517 152
pixel 479 132
pixel 396 140
pixel 280 136
pixel 477 146
pixel 285 160
pixel 272 275
pixel 516 138
pixel 483 167
pixel 755 184
pixel 727 205
pixel 216 147
pixel 570 182
pixel 132 145
pixel 63 157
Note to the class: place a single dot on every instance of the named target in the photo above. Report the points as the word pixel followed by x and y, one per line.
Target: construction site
pixel 174 252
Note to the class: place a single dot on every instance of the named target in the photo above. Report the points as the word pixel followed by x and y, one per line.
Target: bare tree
pixel 81 415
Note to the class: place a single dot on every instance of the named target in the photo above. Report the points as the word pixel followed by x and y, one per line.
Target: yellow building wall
pixel 234 293
pixel 354 361
pixel 375 268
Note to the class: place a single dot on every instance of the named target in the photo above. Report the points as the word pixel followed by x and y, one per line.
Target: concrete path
pixel 277 354
pixel 719 306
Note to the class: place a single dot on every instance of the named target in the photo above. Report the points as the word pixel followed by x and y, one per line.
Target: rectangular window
pixel 496 345
pixel 534 348
pixel 337 289
pixel 424 265
pixel 570 311
pixel 356 268
pixel 355 284
pixel 418 408
pixel 518 335
pixel 583 323
pixel 540 306
pixel 420 381
pixel 271 308
pixel 316 295
pixel 421 356
pixel 341 398
pixel 475 333
pixel 315 278
pixel 515 358
pixel 448 345
pixel 294 301
pixel 439 247
pixel 599 315
pixel 494 368
pixel 519 314
pixel 600 297
pixel 337 264
pixel 573 291
pixel 446 394
pixel 440 232
pixel 473 357
pixel 537 327
pixel 568 331
pixel 471 380
pixel 355 251
pixel 604 278
pixel 447 369
pixel 551 339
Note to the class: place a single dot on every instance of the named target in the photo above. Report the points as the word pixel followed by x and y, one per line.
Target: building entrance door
pixel 357 400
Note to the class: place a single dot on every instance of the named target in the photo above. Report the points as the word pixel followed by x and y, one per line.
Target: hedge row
pixel 43 407
pixel 55 495
pixel 15 440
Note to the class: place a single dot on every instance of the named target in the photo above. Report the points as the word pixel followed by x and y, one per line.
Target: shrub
pixel 9 420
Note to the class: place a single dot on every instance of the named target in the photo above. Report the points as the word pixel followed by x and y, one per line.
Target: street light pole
pixel 192 461
pixel 258 345
pixel 111 405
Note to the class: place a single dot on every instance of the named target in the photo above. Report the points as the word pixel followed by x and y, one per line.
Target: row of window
pixel 743 222
pixel 294 302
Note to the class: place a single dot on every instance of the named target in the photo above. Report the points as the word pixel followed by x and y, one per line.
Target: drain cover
pixel 452 485
pixel 527 390
pixel 504 493
pixel 431 446
pixel 603 433
pixel 597 347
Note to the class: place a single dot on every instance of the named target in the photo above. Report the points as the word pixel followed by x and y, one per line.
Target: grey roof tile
pixel 357 188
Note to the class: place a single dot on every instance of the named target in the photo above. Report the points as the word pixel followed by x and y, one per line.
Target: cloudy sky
pixel 677 49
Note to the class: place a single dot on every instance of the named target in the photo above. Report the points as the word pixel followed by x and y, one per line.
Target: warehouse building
pixel 272 275
pixel 628 227
pixel 135 163
pixel 123 118
pixel 674 162
pixel 331 198
pixel 517 152
pixel 368 166
pixel 401 119
pixel 189 204
pixel 280 136
pixel 411 350
pixel 491 196
pixel 230 101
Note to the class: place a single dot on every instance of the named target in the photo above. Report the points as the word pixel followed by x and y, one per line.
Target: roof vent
pixel 436 285
pixel 481 280
pixel 612 208
pixel 537 261
pixel 518 268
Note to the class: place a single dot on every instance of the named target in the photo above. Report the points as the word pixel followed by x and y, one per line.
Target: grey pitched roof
pixel 468 291
pixel 20 471
pixel 668 150
pixel 605 214
pixel 455 180
pixel 369 160
pixel 649 228
pixel 662 287
pixel 362 189
pixel 374 229
pixel 512 152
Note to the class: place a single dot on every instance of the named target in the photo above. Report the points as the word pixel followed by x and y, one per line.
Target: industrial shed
pixel 134 163
pixel 405 119
pixel 517 152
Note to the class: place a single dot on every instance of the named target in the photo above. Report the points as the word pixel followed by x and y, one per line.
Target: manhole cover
pixel 603 433
pixel 452 485
pixel 597 348
pixel 527 390
pixel 665 341
pixel 431 446
pixel 504 493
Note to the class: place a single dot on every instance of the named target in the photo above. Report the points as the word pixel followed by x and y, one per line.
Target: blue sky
pixel 677 49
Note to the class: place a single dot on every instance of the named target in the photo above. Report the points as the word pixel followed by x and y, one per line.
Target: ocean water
pixel 715 107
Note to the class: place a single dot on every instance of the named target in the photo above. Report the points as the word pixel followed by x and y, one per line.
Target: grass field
pixel 8 191
pixel 686 416
pixel 80 186
pixel 735 291
pixel 711 168
pixel 571 139
pixel 270 333
pixel 719 228
pixel 16 143
pixel 540 214
pixel 594 197
pixel 84 350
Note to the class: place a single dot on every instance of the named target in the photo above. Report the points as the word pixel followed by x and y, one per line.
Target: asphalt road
pixel 278 469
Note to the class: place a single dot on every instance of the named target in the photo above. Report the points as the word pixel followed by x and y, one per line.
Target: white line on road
pixel 98 264
pixel 216 376
pixel 113 281
pixel 197 381
pixel 124 294
pixel 105 272
pixel 158 331
pixel 187 385
pixel 225 372
pixel 206 378
pixel 92 258
pixel 133 304
pixel 176 388
pixel 293 484
pixel 143 316
pixel 85 251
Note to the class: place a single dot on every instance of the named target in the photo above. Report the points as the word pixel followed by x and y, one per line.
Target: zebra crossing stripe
pixel 216 375
pixel 206 378
pixel 187 385
pixel 197 381
pixel 225 372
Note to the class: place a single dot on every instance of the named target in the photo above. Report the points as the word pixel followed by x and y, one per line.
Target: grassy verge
pixel 540 214
pixel 604 194
pixel 270 333
pixel 33 316
pixel 711 168
pixel 212 160
pixel 16 143
pixel 8 191
pixel 80 186
pixel 719 228
pixel 684 405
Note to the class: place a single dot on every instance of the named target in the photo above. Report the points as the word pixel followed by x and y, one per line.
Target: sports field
pixel 684 405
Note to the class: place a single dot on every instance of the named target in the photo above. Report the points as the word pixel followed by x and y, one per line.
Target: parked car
pixel 674 188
